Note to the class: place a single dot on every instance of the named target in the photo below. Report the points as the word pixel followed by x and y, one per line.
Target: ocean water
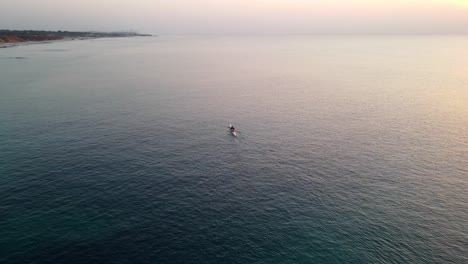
pixel 350 150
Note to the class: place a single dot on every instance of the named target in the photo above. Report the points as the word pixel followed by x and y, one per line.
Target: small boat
pixel 233 130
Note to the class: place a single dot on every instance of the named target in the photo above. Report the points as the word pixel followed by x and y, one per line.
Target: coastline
pixel 27 43
pixel 9 38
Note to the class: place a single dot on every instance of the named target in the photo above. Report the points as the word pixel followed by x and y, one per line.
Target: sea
pixel 350 149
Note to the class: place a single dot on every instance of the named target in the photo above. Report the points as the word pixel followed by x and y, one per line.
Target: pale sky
pixel 240 16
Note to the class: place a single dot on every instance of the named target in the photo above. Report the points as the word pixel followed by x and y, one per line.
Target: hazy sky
pixel 239 16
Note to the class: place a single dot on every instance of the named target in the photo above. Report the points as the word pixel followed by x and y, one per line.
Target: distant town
pixel 17 36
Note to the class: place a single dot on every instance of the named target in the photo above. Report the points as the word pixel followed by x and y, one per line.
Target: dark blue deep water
pixel 350 150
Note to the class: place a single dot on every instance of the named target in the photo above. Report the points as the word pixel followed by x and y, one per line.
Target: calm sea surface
pixel 350 150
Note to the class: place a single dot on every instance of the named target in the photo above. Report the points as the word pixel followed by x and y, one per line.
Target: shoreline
pixel 27 43
pixel 14 38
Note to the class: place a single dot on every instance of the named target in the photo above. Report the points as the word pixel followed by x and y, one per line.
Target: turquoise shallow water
pixel 350 150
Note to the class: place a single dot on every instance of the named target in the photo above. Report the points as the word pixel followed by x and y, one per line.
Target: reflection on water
pixel 350 150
